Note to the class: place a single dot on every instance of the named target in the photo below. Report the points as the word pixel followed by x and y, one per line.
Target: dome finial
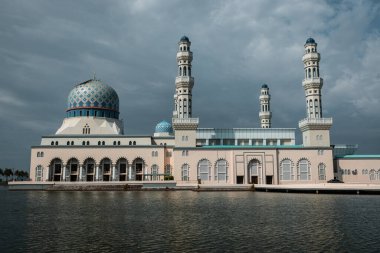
pixel 94 76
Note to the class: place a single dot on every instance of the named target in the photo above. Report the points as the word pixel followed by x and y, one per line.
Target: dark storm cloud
pixel 48 46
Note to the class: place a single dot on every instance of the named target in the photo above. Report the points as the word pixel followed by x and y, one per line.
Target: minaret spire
pixel 184 82
pixel 265 113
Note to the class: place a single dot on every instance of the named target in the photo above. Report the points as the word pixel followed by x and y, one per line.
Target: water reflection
pixel 186 221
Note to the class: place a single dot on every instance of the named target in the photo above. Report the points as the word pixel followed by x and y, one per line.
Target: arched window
pixel 39 173
pixel 168 170
pixel 154 171
pixel 130 143
pixel 118 143
pixel 180 71
pixel 134 143
pixel 152 153
pixel 99 143
pixel 72 142
pixel 114 142
pixel 314 73
pixel 103 143
pixel 309 73
pixel 286 170
pixel 52 143
pixel 372 175
pixel 322 171
pixel 56 143
pixel 88 143
pixel 204 170
pixel 83 143
pixel 221 171
pixel 303 172
pixel 42 154
pixel 38 154
pixel 185 172
pixel 68 142
pixel 184 71
pixel 254 171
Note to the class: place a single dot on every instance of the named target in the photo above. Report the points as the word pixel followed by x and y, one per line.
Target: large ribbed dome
pixel 93 98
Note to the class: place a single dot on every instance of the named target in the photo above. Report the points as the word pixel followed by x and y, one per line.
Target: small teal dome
pixel 264 86
pixel 93 98
pixel 164 127
pixel 185 38
pixel 310 41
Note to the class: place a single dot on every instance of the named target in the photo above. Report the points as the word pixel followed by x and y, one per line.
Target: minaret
pixel 265 113
pixel 315 128
pixel 184 124
pixel 313 82
pixel 184 82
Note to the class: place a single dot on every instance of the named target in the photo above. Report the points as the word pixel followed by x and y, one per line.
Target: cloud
pixel 47 47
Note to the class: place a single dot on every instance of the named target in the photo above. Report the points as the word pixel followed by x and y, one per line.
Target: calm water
pixel 187 222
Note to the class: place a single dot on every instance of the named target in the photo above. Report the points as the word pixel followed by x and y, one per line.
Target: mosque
pixel 91 146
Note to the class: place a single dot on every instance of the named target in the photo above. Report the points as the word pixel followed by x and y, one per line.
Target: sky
pixel 46 47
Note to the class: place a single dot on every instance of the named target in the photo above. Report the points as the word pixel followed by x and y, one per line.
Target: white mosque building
pixel 91 145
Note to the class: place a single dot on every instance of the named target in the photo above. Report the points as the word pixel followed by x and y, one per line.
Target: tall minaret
pixel 313 82
pixel 265 113
pixel 184 82
pixel 315 129
pixel 184 124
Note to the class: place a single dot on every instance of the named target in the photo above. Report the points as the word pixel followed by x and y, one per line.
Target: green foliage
pixel 169 178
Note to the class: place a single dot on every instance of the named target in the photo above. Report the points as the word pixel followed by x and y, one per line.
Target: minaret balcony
pixel 186 55
pixel 184 79
pixel 315 123
pixel 311 57
pixel 267 114
pixel 313 82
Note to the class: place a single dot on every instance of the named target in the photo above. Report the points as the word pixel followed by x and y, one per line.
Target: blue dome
pixel 310 40
pixel 164 127
pixel 184 38
pixel 93 98
pixel 264 86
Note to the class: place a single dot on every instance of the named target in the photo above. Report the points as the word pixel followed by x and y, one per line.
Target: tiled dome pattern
pixel 164 127
pixel 93 94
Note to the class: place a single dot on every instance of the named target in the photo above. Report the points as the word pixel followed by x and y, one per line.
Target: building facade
pixel 90 145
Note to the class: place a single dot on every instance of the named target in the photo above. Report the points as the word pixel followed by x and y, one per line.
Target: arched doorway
pixel 121 169
pixel 138 169
pixel 89 169
pixel 72 169
pixel 56 170
pixel 105 169
pixel 254 169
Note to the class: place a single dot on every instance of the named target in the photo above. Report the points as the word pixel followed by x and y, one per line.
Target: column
pixel 130 172
pixel 47 174
pixel 145 172
pixel 64 173
pixel 80 173
pixel 113 173
pixel 97 173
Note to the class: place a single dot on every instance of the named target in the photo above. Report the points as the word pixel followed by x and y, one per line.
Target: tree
pixel 8 173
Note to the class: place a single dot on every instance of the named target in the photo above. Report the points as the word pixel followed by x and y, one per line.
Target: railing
pixel 186 121
pixel 184 79
pixel 323 121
